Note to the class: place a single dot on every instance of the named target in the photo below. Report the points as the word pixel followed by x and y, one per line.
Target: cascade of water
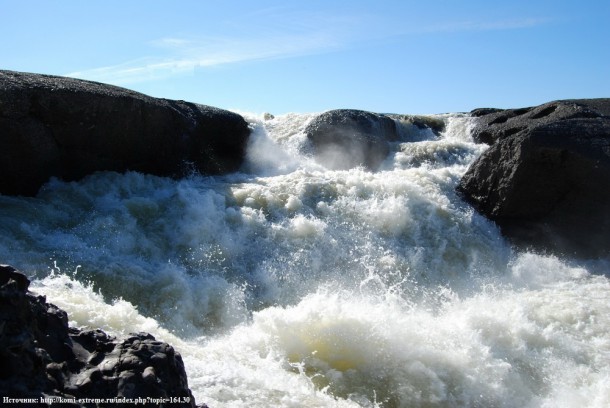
pixel 288 284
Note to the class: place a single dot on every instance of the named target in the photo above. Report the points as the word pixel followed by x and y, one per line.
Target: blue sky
pixel 310 56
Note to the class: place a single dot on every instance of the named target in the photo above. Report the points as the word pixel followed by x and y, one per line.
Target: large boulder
pixel 545 180
pixel 41 357
pixel 69 128
pixel 496 124
pixel 348 138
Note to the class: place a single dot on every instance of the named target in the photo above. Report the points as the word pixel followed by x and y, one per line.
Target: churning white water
pixel 290 285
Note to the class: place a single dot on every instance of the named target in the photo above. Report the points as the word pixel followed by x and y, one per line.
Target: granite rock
pixel 41 357
pixel 68 128
pixel 545 180
pixel 348 138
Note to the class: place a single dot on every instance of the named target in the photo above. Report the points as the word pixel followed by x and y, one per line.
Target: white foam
pixel 289 284
pixel 504 348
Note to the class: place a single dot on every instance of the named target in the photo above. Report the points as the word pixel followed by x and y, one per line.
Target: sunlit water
pixel 290 285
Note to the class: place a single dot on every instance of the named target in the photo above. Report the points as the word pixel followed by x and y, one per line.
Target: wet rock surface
pixel 41 357
pixel 546 177
pixel 348 138
pixel 434 124
pixel 68 128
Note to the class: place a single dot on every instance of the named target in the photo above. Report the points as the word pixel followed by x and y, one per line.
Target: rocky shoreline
pixel 43 359
pixel 545 180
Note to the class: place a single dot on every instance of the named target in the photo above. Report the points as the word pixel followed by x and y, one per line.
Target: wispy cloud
pixel 175 55
pixel 139 70
pixel 189 55
pixel 294 36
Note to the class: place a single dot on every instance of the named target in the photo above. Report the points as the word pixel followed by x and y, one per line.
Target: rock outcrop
pixel 545 180
pixel 497 124
pixel 69 128
pixel 348 138
pixel 42 358
pixel 434 124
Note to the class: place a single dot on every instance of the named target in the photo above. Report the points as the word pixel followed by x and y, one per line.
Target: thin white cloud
pixel 140 70
pixel 172 43
pixel 192 54
pixel 180 56
pixel 286 37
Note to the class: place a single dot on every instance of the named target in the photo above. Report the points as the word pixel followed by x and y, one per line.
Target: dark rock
pixel 22 316
pixel 547 184
pixel 435 124
pixel 41 357
pixel 347 138
pixel 496 124
pixel 128 369
pixel 8 273
pixel 484 111
pixel 69 128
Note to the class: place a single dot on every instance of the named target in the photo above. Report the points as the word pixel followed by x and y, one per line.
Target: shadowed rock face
pixel 69 128
pixel 347 138
pixel 41 357
pixel 546 178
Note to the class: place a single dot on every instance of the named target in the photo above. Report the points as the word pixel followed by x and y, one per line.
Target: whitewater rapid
pixel 291 285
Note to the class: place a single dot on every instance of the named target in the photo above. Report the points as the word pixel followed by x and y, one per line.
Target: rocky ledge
pixel 42 359
pixel 68 128
pixel 347 138
pixel 545 180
